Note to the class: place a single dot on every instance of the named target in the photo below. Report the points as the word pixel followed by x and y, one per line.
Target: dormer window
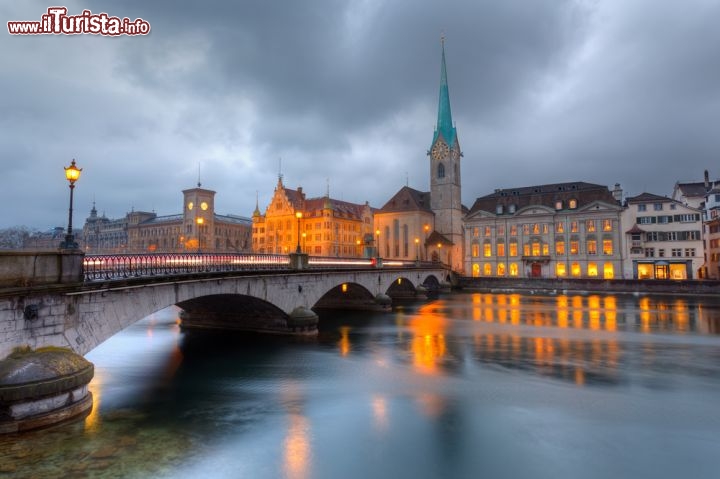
pixel 511 209
pixel 558 205
pixel 572 204
pixel 499 209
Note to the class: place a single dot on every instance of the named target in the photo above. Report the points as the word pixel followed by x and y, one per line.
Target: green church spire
pixel 444 122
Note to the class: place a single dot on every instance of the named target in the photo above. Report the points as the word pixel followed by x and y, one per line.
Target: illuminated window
pixel 526 229
pixel 487 249
pixel 513 248
pixel 572 204
pixel 545 228
pixel 590 226
pixel 574 247
pixel 678 271
pixel 575 269
pixel 513 269
pixel 487 269
pixel 488 231
pixel 560 248
pixel 536 228
pixel 535 248
pixel 501 269
pixel 475 270
pixel 526 249
pixel 573 226
pixel 501 230
pixel 608 272
pixel 475 250
pixel 591 246
pixel 513 230
pixel 545 249
pixel 476 231
pixel 607 225
pixel 501 249
pixel 560 270
pixel 559 227
pixel 558 205
pixel 607 246
pixel 592 270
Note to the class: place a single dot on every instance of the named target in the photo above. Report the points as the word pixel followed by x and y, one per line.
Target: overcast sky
pixel 346 93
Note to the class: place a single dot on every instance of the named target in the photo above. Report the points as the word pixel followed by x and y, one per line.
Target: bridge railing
pixel 109 267
pixel 106 267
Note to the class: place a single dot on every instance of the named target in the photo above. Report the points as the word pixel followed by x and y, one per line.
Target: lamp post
pixel 377 242
pixel 200 221
pixel 304 242
pixel 298 215
pixel 427 230
pixel 417 249
pixel 72 174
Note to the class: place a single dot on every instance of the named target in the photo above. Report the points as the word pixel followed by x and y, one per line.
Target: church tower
pixel 445 199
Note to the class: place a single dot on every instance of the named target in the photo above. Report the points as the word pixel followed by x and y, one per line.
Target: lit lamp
pixel 417 249
pixel 304 247
pixel 298 215
pixel 72 174
pixel 200 221
pixel 377 242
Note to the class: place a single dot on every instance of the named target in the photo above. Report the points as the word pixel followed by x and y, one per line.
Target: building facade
pixel 564 230
pixel 318 226
pixel 663 239
pixel 197 229
pixel 403 226
pixel 711 239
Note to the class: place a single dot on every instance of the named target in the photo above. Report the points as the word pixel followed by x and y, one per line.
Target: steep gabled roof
pixel 408 199
pixel 437 238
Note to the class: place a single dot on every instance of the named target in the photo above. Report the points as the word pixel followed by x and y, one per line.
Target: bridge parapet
pixel 40 268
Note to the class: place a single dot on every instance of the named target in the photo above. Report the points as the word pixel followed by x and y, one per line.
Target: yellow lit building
pixel 318 226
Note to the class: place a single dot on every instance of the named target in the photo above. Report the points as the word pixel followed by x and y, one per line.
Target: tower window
pixel 441 170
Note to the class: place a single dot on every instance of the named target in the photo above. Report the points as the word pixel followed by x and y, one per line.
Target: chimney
pixel 707 181
pixel 617 193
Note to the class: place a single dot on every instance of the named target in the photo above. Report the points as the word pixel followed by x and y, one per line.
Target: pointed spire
pixel 257 206
pixel 445 125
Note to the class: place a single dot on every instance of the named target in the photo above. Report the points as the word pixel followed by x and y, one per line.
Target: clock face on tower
pixel 439 150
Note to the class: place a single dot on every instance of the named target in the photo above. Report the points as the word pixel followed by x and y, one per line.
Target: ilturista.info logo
pixel 57 22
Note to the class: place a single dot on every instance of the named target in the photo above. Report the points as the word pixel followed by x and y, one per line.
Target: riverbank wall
pixel 561 286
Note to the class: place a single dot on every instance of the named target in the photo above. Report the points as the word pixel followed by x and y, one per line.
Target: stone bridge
pixel 64 301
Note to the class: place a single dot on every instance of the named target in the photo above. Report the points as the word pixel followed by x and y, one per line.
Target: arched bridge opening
pixel 231 312
pixel 352 296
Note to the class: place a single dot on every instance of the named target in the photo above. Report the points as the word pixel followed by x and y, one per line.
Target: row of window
pixel 561 270
pixel 656 206
pixel 665 219
pixel 674 252
pixel 537 248
pixel 591 226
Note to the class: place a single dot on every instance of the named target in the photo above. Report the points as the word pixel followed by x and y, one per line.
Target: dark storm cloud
pixel 345 92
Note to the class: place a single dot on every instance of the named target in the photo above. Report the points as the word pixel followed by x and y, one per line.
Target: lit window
pixel 476 231
pixel 572 204
pixel 501 269
pixel 559 248
pixel 487 249
pixel 592 270
pixel 560 270
pixel 607 225
pixel 574 247
pixel 513 269
pixel 545 249
pixel 608 272
pixel 590 226
pixel 513 248
pixel 501 249
pixel 526 229
pixel 558 205
pixel 475 250
pixel 526 249
pixel 488 231
pixel 536 228
pixel 608 246
pixel 591 246
pixel 536 248
pixel 559 227
pixel 573 226
pixel 513 230
pixel 487 269
pixel 475 270
pixel 575 269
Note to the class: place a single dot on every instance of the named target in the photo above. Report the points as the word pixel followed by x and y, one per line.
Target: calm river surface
pixel 464 386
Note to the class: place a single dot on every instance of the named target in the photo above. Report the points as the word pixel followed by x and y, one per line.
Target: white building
pixel 663 239
pixel 546 231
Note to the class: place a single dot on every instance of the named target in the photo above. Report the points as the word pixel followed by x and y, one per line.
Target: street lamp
pixel 377 242
pixel 200 221
pixel 417 249
pixel 298 215
pixel 72 174
pixel 304 243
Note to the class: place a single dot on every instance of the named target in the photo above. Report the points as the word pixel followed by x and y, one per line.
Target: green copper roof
pixel 444 123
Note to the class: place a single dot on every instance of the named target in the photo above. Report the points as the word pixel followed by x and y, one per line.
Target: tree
pixel 14 238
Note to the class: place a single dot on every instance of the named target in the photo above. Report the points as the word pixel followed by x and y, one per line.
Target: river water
pixel 463 386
